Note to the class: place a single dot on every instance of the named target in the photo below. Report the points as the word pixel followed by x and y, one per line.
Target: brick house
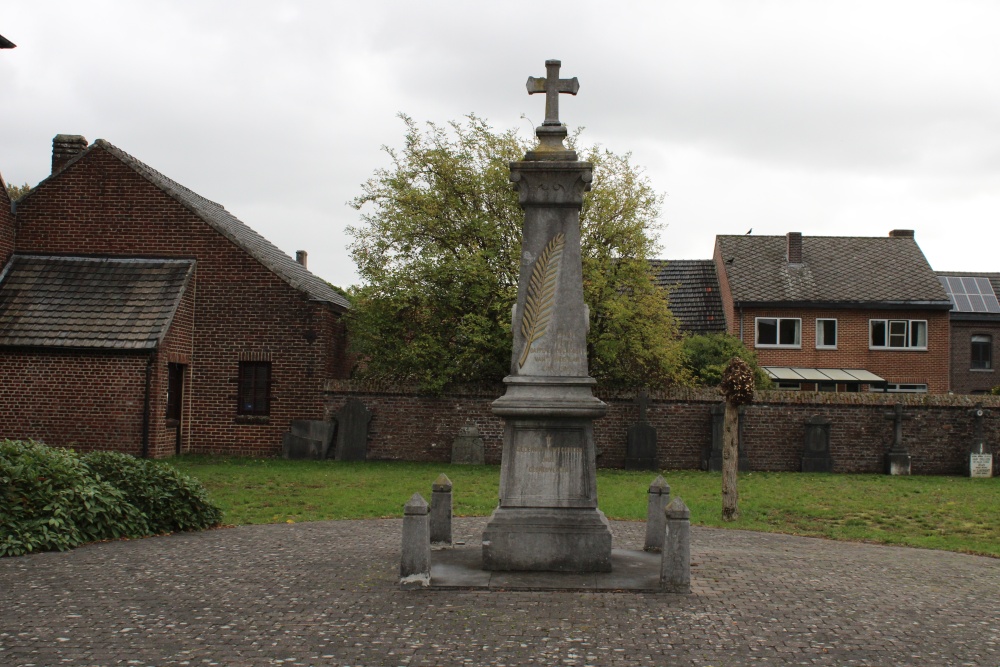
pixel 138 316
pixel 838 313
pixel 975 329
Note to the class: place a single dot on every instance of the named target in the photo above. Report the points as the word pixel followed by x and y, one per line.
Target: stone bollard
pixel 656 520
pixel 415 562
pixel 675 565
pixel 441 512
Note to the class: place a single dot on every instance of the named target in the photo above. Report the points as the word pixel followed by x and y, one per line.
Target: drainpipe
pixel 741 325
pixel 146 404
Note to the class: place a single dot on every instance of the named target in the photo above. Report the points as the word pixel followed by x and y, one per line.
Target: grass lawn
pixel 953 513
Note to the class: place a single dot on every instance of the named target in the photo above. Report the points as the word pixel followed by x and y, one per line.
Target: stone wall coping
pixel 687 395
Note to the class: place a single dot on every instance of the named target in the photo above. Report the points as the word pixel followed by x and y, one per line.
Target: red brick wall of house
pixel 177 347
pixel 965 380
pixel 407 426
pixel 930 366
pixel 6 226
pixel 241 309
pixel 81 399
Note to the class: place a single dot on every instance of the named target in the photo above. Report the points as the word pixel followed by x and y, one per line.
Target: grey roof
pixel 693 289
pixel 86 302
pixel 231 227
pixel 834 270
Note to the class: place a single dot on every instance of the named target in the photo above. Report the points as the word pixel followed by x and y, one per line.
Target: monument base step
pixel 897 463
pixel 461 568
pixel 547 540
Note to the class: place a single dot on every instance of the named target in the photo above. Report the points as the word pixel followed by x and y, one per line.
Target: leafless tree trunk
pixel 730 463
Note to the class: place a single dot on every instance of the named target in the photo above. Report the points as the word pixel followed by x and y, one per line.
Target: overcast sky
pixel 828 118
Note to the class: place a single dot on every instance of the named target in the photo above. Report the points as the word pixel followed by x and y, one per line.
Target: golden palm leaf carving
pixel 541 294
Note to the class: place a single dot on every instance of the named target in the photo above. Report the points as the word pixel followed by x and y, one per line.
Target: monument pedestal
pixel 548 519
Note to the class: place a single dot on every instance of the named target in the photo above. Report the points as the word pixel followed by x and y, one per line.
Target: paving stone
pixel 327 593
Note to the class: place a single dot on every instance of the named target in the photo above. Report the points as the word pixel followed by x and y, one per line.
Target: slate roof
pixel 693 289
pixel 834 270
pixel 216 216
pixel 86 302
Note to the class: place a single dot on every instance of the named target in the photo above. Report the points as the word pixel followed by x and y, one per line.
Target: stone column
pixel 441 511
pixel 415 561
pixel 675 565
pixel 547 519
pixel 656 520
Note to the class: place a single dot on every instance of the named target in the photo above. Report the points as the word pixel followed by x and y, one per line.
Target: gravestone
pixel 897 459
pixel 307 439
pixel 352 431
pixel 547 518
pixel 980 456
pixel 816 452
pixel 712 455
pixel 467 448
pixel 640 447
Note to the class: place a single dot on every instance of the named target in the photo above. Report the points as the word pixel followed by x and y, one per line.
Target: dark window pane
pixel 982 352
pixel 878 333
pixel 254 388
pixel 897 333
pixel 767 332
pixel 788 332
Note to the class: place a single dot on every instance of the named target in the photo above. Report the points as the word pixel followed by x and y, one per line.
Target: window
pixel 902 388
pixel 898 334
pixel 982 353
pixel 779 332
pixel 255 388
pixel 826 333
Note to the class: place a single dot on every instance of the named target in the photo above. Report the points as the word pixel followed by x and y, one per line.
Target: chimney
pixel 794 252
pixel 65 147
pixel 300 257
pixel 901 233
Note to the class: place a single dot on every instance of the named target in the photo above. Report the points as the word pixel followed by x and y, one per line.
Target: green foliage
pixel 439 254
pixel 995 391
pixel 52 498
pixel 706 356
pixel 15 192
pixel 168 500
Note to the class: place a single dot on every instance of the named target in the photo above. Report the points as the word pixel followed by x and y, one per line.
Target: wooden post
pixel 737 386
pixel 730 463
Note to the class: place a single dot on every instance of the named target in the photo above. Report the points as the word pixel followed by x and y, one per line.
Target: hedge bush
pixel 53 498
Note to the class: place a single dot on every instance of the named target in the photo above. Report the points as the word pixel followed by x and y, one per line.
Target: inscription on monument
pixel 980 465
pixel 549 463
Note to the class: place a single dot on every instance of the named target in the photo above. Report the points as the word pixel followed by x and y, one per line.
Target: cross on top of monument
pixel 552 85
pixel 551 132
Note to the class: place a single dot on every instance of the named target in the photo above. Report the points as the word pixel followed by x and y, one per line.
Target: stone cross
pixel 977 414
pixel 896 414
pixel 643 401
pixel 552 85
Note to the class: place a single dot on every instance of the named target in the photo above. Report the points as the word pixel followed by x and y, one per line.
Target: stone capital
pixel 548 183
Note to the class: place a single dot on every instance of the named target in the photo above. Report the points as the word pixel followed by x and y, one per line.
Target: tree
pixel 15 192
pixel 439 248
pixel 737 386
pixel 705 357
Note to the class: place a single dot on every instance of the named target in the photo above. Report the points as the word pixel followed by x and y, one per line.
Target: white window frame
pixel 903 330
pixel 777 325
pixel 823 345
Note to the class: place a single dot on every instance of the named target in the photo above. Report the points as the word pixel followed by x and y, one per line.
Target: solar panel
pixel 970 294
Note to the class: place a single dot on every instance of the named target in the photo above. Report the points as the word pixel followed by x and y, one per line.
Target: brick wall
pixel 240 309
pixel 964 379
pixel 85 400
pixel 408 426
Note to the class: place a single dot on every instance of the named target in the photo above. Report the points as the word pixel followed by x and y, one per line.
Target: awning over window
pixel 839 375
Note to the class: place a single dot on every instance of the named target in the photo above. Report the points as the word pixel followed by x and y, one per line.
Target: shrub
pixel 706 357
pixel 52 498
pixel 169 500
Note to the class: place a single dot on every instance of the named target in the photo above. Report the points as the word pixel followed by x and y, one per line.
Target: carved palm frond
pixel 541 294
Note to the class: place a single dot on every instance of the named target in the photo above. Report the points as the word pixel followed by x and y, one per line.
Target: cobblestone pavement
pixel 326 594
